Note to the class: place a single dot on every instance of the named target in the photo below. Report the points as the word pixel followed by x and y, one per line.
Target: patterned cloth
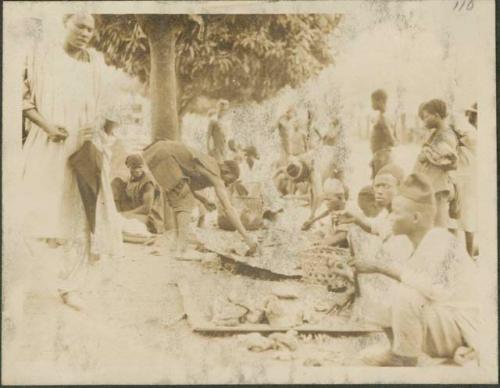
pixel 437 158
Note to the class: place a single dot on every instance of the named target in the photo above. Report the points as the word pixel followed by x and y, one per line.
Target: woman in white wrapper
pixel 62 96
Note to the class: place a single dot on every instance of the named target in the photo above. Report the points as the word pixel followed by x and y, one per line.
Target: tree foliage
pixel 237 57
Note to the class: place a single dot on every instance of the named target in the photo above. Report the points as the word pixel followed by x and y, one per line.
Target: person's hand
pixel 253 247
pixel 57 133
pixel 344 217
pixel 210 206
pixel 341 268
pixel 307 225
pixel 86 133
pixel 365 266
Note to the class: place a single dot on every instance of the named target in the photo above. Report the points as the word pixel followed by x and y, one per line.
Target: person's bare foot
pixel 94 258
pixel 189 254
pixel 71 300
pixel 466 356
pixel 54 243
pixel 385 357
pixel 201 222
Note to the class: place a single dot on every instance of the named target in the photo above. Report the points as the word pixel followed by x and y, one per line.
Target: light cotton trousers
pixel 420 326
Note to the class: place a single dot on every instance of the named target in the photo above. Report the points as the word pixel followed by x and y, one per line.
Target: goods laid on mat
pixel 225 302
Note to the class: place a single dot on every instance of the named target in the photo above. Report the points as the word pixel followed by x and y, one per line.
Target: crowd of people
pixel 78 208
pixel 431 311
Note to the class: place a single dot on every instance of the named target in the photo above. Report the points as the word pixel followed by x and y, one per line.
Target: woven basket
pixel 250 209
pixel 318 263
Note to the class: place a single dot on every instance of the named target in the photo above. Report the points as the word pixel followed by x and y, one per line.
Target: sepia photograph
pixel 249 192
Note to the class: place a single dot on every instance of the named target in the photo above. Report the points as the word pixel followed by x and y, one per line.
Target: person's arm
pixel 371 266
pixel 336 238
pixel 390 270
pixel 316 192
pixel 55 133
pixel 147 203
pixel 435 283
pixel 209 136
pixel 306 143
pixel 353 217
pixel 307 225
pixel 210 206
pixel 285 141
pixel 441 155
pixel 30 111
pixel 387 131
pixel 222 195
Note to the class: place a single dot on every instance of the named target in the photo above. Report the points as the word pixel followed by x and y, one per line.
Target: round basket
pixel 318 266
pixel 250 208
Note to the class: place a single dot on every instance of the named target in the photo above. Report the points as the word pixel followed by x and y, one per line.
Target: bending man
pixel 182 171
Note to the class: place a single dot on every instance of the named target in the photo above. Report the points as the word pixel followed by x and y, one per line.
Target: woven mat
pixel 202 287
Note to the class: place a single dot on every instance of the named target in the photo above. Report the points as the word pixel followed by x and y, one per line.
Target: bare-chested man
pixel 293 144
pixel 218 135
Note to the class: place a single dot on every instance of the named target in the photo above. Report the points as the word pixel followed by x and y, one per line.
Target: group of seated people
pixel 418 281
pixel 427 302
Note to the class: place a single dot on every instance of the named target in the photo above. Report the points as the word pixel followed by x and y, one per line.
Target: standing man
pixel 218 136
pixel 433 310
pixel 293 140
pixel 293 144
pixel 182 171
pixel 381 140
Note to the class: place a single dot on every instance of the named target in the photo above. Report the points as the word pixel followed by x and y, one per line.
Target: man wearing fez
pixel 218 134
pixel 433 311
pixel 140 197
pixel 182 171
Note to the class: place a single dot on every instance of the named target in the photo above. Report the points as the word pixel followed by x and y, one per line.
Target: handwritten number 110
pixel 460 4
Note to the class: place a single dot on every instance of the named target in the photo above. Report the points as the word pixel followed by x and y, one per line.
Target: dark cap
pixel 134 161
pixel 418 188
pixel 393 170
pixel 436 106
pixel 379 94
pixel 251 152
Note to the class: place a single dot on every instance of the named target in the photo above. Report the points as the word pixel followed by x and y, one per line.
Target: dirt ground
pixel 132 330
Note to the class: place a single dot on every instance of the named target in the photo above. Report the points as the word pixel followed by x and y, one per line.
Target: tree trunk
pixel 163 87
pixel 162 32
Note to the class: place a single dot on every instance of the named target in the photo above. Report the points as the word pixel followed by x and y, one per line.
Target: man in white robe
pixel 433 310
pixel 62 97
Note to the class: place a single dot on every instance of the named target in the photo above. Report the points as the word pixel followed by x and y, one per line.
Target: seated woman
pixel 139 198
